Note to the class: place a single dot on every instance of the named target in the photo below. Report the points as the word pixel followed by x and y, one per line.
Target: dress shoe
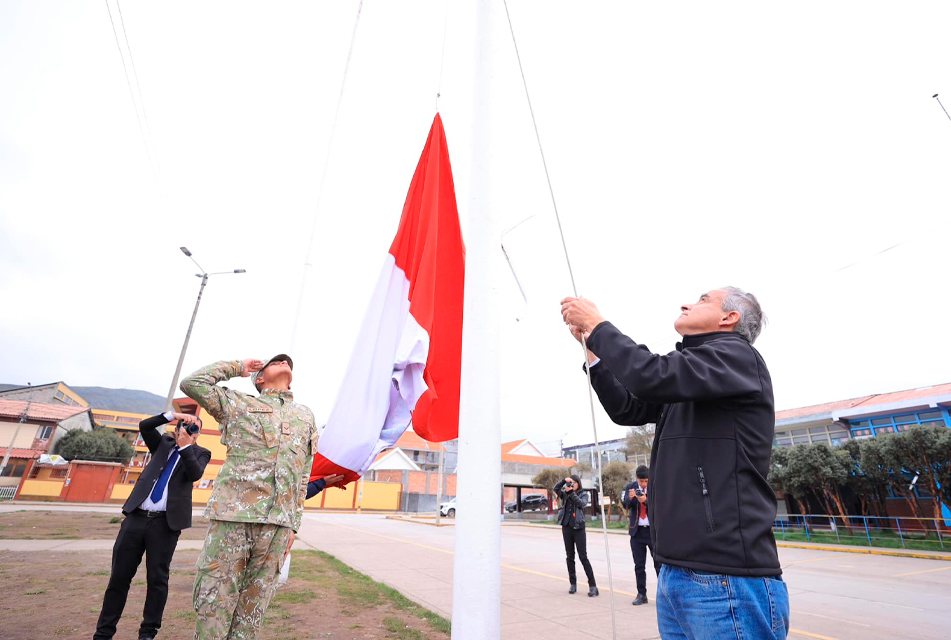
pixel 573 588
pixel 640 599
pixel 592 591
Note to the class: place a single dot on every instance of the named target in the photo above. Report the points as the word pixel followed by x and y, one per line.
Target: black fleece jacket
pixel 712 401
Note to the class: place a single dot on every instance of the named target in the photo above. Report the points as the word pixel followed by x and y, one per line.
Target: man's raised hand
pixel 251 365
pixel 581 313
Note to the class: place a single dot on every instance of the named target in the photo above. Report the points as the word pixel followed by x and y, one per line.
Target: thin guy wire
pixel 132 94
pixel 584 343
pixel 138 87
pixel 442 55
pixel 935 96
pixel 323 179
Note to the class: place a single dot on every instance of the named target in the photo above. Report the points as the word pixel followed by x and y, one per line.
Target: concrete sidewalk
pixel 77 545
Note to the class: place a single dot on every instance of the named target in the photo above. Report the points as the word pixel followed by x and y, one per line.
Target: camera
pixel 190 429
pixel 638 492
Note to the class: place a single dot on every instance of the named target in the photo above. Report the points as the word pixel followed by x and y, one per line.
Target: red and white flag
pixel 407 361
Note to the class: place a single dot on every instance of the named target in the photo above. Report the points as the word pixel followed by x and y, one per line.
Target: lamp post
pixel 204 280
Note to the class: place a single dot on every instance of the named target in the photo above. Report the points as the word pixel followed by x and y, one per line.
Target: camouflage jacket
pixel 271 441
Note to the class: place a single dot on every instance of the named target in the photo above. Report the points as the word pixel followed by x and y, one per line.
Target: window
pixel 933 424
pixel 817 430
pixel 799 432
pixel 102 417
pixel 43 433
pixel 59 473
pixel 59 395
pixel 801 440
pixel 860 423
pixel 881 421
pixel 783 442
pixel 906 418
pixel 880 430
pixel 125 420
pixel 930 415
pixel 904 427
pixel 14 469
pixel 840 434
pixel 861 433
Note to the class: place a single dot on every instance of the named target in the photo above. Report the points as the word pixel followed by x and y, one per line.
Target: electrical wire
pixel 138 87
pixel 135 106
pixel 323 178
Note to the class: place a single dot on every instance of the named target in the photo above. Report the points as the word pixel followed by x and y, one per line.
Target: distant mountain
pixel 131 400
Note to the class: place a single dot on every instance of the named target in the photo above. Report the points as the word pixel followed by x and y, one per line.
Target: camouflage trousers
pixel 237 576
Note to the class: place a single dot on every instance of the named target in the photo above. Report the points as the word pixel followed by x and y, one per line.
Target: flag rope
pixel 323 177
pixel 584 344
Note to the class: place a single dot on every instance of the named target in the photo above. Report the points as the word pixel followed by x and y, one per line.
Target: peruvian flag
pixel 407 360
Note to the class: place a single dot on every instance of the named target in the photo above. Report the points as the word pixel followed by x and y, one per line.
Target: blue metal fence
pixel 872 531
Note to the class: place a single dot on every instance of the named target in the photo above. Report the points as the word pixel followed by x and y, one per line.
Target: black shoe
pixel 146 637
pixel 573 588
pixel 592 591
pixel 641 599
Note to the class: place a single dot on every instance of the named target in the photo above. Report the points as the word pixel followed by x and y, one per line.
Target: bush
pixel 100 444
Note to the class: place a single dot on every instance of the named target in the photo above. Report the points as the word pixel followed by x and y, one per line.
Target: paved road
pixel 834 596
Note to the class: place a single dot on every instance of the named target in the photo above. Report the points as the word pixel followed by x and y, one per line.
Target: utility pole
pixel 442 451
pixel 23 418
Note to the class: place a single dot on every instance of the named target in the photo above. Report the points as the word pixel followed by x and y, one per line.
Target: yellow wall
pixel 66 391
pixel 121 491
pixel 24 438
pixel 381 496
pixel 51 488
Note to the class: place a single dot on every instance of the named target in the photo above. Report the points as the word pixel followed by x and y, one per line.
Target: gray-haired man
pixel 711 508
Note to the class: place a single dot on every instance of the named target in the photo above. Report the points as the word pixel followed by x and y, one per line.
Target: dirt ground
pixel 58 594
pixel 73 525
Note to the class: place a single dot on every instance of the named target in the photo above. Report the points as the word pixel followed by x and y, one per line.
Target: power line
pixel 138 87
pixel 135 106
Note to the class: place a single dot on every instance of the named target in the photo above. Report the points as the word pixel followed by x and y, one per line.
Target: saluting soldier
pixel 258 499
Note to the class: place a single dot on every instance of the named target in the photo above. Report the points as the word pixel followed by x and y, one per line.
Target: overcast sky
pixel 778 148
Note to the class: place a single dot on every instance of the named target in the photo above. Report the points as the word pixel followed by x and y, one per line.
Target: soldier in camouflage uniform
pixel 258 499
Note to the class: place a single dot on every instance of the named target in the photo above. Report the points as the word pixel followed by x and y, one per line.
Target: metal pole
pixel 477 572
pixel 900 536
pixel 181 358
pixel 867 533
pixel 23 417
pixel 439 483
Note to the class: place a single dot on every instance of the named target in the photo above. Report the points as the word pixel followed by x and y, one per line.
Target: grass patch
pixel 184 614
pixel 395 625
pixel 34 592
pixel 114 519
pixel 295 597
pixel 360 590
pixel 880 539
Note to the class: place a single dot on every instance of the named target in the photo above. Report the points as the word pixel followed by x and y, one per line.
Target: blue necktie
pixel 159 487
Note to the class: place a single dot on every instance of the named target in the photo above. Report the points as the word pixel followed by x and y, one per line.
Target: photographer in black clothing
pixel 571 519
pixel 635 501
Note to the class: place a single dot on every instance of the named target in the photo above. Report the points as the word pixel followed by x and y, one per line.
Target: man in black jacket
pixel 157 510
pixel 634 500
pixel 711 507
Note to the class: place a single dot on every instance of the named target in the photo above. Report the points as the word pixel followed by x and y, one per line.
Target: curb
pixel 870 551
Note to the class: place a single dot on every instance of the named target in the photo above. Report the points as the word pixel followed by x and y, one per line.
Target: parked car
pixel 448 508
pixel 537 502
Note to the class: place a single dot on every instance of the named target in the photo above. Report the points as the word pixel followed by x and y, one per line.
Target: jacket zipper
pixel 706 501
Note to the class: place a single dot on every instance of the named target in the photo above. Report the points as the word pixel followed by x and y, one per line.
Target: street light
pixel 204 280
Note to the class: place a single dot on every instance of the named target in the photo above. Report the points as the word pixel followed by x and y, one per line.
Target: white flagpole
pixel 477 575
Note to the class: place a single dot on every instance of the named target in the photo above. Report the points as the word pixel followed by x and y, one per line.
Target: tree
pixel 99 444
pixel 924 452
pixel 581 468
pixel 639 441
pixel 867 481
pixel 617 475
pixel 888 454
pixel 788 474
pixel 827 470
pixel 548 477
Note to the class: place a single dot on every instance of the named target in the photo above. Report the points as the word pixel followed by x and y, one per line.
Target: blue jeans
pixel 692 605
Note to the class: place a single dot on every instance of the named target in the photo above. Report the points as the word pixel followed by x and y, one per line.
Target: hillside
pixel 131 400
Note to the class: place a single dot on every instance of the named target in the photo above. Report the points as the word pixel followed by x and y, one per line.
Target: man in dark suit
pixel 635 501
pixel 157 510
